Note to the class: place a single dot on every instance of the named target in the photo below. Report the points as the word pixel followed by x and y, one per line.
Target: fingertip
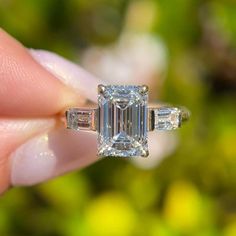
pixel 14 132
pixel 52 154
pixel 69 73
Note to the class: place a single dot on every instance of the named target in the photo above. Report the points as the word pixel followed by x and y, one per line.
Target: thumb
pixel 27 89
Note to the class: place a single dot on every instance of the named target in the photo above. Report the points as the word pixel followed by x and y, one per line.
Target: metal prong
pixel 66 114
pixel 101 88
pixel 151 120
pixel 144 89
pixel 185 114
pixel 145 153
pixel 67 117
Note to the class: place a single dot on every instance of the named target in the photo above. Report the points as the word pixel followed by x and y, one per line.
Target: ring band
pixel 159 118
pixel 123 118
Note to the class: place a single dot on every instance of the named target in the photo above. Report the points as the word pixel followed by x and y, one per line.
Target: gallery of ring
pixel 123 120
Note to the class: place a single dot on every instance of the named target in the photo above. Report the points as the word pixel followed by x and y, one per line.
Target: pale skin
pixel 31 102
pixel 27 91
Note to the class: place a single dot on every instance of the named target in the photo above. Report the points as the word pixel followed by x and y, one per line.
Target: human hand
pixel 33 144
pixel 36 86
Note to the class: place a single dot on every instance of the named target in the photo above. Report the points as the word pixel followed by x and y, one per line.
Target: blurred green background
pixel 193 190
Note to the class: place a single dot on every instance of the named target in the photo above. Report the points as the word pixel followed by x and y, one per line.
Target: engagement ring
pixel 123 120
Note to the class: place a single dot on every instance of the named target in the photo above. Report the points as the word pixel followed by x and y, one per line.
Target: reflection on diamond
pixel 167 118
pixel 80 119
pixel 122 122
pixel 121 142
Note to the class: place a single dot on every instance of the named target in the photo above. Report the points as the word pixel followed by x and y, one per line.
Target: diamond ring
pixel 123 119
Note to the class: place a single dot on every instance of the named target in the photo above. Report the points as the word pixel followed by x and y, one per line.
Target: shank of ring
pixel 159 118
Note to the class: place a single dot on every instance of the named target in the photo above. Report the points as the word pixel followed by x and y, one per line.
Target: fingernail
pixel 14 132
pixel 32 162
pixel 50 155
pixel 69 73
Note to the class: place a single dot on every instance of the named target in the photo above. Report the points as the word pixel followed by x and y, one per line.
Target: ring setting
pixel 123 119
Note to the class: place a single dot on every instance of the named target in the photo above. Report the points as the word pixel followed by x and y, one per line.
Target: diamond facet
pixel 80 119
pixel 122 124
pixel 167 118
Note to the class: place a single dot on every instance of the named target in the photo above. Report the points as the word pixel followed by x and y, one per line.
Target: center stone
pixel 122 124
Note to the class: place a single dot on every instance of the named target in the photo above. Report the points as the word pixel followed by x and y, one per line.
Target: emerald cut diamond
pixel 123 118
pixel 122 121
